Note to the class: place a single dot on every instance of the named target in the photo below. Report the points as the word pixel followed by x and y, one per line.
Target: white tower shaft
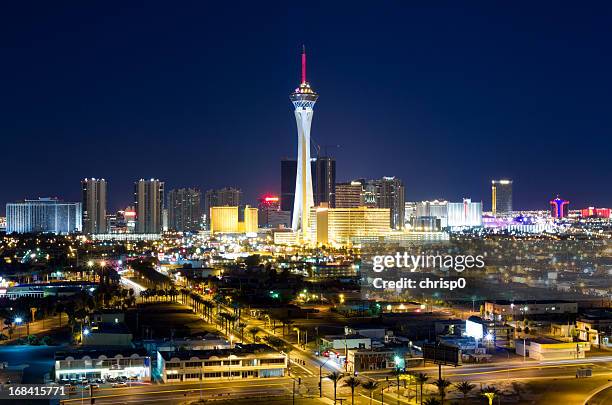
pixel 303 181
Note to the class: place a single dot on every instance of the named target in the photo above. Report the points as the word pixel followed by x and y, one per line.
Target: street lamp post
pixel 18 321
pixel 321 378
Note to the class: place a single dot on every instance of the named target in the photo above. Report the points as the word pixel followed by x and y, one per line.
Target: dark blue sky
pixel 446 97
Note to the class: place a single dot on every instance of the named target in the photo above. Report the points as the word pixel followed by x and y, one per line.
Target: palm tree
pixel 442 386
pixel 335 377
pixel 254 331
pixel 397 372
pixel 465 387
pixel 432 401
pixel 421 379
pixel 353 383
pixel 241 326
pixel 490 393
pixel 370 386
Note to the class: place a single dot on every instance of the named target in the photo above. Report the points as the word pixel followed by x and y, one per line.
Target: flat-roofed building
pixel 349 195
pixel 545 349
pixel 338 225
pixel 223 220
pixel 102 363
pixel 519 309
pixel 240 362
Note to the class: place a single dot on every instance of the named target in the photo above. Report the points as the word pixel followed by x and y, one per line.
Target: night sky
pixel 446 98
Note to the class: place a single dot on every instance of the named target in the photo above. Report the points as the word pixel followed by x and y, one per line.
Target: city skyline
pixel 416 108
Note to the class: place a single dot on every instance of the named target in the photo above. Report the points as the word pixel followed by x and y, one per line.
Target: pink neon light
pixel 304 64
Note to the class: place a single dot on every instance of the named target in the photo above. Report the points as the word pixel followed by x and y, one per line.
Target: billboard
pixel 438 353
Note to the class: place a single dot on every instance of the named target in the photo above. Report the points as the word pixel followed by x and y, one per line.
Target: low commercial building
pixel 595 326
pixel 239 362
pixel 342 342
pixel 102 363
pixel 544 349
pixel 369 360
pixel 512 309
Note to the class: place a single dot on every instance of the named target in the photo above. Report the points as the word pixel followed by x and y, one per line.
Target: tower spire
pixel 303 64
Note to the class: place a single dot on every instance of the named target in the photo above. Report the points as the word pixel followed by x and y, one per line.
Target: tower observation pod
pixel 303 99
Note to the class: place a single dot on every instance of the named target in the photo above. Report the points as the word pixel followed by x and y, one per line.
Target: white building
pixel 464 214
pixel 240 362
pixel 45 215
pixel 543 349
pixel 342 342
pixel 95 363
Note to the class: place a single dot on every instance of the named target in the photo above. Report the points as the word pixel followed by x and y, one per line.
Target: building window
pixel 272 361
pixel 212 375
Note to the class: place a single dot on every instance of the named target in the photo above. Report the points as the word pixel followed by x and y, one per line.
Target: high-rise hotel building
pixel 149 203
pixel 94 206
pixel 501 196
pixel 45 215
pixel 337 226
pixel 184 211
pixel 349 195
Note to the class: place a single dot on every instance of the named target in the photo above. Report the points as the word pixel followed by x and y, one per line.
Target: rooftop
pixel 238 350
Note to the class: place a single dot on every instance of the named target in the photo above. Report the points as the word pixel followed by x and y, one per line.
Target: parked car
pixel 119 385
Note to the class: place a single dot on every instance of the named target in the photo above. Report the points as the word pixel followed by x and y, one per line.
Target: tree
pixel 335 377
pixel 370 386
pixel 442 385
pixel 465 387
pixel 421 379
pixel 352 383
pixel 397 372
pixel 241 326
pixel 490 393
pixel 254 331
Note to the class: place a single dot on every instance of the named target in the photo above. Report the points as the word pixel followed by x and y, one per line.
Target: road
pixel 36 328
pixel 307 366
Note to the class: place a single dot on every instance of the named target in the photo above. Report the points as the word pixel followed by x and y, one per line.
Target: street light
pixel 321 377
pixel 18 321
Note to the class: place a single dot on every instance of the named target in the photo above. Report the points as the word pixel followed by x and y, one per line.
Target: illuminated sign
pixel 474 329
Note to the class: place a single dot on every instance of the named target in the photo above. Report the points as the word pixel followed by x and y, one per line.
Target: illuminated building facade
pixel 559 208
pixel 592 212
pixel 149 203
pixel 94 205
pixel 224 197
pixel 349 195
pixel 270 214
pixel 238 363
pixel 464 214
pixel 249 224
pixel 501 196
pixel 233 220
pixel 388 192
pixel 431 215
pixel 303 99
pixel 338 225
pixel 45 215
pixel 184 212
pixel 223 220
